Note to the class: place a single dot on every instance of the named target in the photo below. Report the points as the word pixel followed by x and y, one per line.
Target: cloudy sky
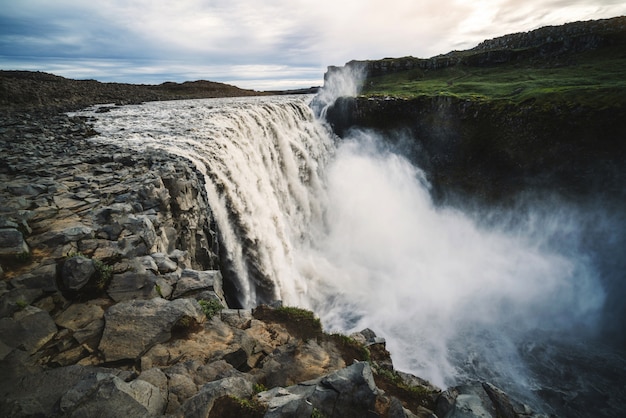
pixel 259 44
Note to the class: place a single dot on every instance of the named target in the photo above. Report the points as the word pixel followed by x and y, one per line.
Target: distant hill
pixel 32 90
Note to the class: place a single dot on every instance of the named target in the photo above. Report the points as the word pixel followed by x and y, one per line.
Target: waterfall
pixel 347 228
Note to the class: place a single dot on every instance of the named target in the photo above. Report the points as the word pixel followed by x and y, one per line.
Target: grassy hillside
pixel 594 77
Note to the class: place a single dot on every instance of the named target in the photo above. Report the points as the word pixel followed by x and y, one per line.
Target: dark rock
pixel 133 285
pixel 349 392
pixel 43 277
pixel 12 243
pixel 77 272
pixel 106 395
pixel 192 282
pixel 29 329
pixel 201 404
pixel 131 328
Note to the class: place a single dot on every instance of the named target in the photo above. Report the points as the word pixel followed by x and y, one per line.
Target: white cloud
pixel 184 38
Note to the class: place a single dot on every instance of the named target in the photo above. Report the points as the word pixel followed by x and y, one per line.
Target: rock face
pixel 543 43
pixel 490 150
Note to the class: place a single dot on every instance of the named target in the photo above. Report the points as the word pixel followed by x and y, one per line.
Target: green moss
pixel 211 307
pixel 104 274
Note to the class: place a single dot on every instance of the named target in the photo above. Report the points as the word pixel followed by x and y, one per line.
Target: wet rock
pixel 131 328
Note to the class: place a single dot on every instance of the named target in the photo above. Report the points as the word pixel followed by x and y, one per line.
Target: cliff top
pixel 580 62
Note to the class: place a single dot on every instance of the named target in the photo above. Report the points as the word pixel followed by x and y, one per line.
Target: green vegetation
pixel 211 307
pixel 596 78
pixel 350 348
pixel 104 274
pixel 24 257
pixel 259 387
pixel 21 304
pixel 317 413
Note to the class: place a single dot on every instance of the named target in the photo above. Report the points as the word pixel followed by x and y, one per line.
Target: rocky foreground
pixel 111 302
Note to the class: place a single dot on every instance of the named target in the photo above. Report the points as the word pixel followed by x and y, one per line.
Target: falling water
pixel 347 228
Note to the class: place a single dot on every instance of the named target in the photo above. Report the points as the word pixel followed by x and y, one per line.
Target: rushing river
pixel 347 228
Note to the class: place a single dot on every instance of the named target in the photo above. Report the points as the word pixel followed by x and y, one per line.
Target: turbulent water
pixel 347 228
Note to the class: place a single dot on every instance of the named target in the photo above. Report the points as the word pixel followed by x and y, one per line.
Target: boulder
pixel 106 395
pixel 29 329
pixel 480 400
pixel 200 405
pixel 12 243
pixel 133 327
pixel 79 315
pixel 349 392
pixel 43 277
pixel 133 285
pixel 193 282
pixel 77 271
pixel 38 394
pixel 164 263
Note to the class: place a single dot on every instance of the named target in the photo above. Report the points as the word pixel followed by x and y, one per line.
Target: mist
pixel 443 287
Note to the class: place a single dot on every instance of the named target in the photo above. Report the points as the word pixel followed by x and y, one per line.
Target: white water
pixel 348 229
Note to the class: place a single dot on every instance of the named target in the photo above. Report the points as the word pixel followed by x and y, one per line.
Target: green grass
pixel 595 78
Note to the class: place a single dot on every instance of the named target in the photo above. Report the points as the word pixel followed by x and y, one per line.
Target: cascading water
pixel 348 229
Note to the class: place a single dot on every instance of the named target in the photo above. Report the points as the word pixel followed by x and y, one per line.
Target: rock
pixel 29 329
pixel 16 299
pixel 132 328
pixel 38 394
pixel 133 285
pixel 70 234
pixel 480 400
pixel 140 225
pixel 43 277
pixel 164 263
pixel 12 243
pixel 349 392
pixel 201 404
pixel 79 315
pixel 192 282
pixel 77 272
pixel 106 395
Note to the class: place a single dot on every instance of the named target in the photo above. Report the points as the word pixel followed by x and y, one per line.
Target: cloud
pixel 178 40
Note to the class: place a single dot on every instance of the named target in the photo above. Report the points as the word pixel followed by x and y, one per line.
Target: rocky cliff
pixel 536 120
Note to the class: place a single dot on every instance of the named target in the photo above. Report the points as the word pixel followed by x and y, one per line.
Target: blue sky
pixel 259 44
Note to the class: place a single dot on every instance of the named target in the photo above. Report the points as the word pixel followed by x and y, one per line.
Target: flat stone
pixel 193 281
pixel 132 327
pixel 29 328
pixel 78 315
pixel 43 277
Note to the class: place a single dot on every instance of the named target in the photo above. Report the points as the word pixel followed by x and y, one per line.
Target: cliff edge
pixel 543 110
